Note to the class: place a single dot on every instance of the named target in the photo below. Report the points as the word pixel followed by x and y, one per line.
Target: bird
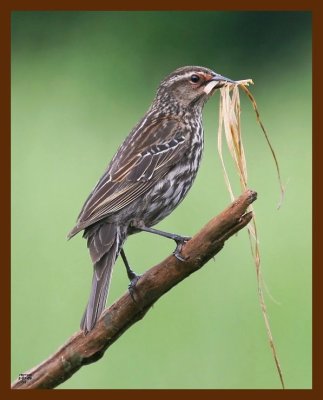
pixel 147 178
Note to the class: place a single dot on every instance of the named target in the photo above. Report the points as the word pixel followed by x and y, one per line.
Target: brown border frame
pixel 6 7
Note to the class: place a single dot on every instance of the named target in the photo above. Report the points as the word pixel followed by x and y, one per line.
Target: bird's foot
pixel 180 241
pixel 134 278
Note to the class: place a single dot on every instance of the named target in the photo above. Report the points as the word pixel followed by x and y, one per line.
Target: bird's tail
pixel 104 243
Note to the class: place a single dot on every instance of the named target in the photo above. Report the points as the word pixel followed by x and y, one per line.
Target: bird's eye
pixel 195 78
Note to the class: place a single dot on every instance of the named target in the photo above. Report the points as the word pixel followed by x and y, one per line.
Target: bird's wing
pixel 136 167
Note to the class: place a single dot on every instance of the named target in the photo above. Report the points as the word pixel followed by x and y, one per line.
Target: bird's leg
pixel 133 277
pixel 180 240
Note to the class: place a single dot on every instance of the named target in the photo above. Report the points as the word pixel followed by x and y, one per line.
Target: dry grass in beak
pixel 229 124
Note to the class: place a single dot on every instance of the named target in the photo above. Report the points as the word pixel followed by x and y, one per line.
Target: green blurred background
pixel 80 82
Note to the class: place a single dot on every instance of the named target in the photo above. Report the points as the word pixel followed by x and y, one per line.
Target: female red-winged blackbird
pixel 147 178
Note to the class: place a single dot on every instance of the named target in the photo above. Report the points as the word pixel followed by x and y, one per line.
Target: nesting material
pixel 230 128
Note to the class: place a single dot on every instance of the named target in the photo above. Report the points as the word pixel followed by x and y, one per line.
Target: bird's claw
pixel 132 286
pixel 180 241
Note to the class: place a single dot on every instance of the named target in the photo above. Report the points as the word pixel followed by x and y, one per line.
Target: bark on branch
pixel 83 349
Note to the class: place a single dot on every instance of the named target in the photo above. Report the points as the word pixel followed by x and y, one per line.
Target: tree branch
pixel 83 349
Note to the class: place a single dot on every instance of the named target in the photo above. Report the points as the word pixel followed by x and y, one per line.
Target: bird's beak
pixel 217 82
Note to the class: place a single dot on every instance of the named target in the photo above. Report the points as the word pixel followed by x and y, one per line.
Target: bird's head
pixel 191 86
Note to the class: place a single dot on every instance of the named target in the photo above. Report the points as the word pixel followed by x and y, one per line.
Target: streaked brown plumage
pixel 147 178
